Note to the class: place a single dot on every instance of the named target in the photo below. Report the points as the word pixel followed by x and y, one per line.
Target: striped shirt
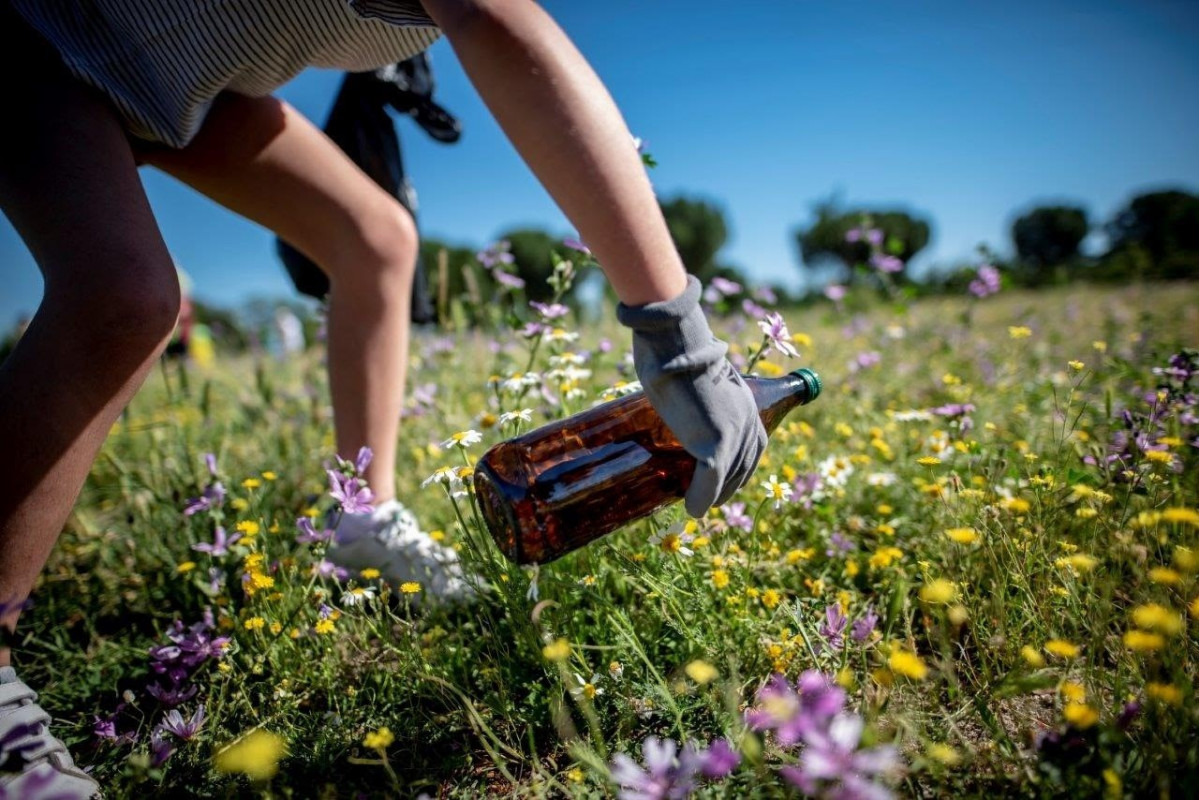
pixel 163 62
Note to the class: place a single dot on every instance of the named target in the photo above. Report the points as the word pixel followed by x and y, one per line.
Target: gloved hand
pixel 698 394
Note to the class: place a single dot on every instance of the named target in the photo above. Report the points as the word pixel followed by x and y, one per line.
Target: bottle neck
pixel 777 396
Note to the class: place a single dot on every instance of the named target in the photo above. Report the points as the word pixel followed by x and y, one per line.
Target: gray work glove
pixel 698 394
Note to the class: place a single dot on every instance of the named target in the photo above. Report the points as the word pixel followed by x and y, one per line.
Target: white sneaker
pixel 33 764
pixel 391 541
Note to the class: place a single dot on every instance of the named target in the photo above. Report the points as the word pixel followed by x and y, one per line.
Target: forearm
pixel 563 122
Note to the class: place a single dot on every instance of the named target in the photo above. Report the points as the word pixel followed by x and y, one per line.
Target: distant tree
pixel 827 242
pixel 1164 227
pixel 1047 237
pixel 227 329
pixel 532 251
pixel 699 231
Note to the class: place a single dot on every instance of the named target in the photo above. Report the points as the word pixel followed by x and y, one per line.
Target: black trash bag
pixel 359 124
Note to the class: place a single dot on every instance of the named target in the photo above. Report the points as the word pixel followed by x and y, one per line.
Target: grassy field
pixel 983 559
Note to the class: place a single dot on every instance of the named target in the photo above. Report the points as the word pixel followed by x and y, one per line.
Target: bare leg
pixel 566 127
pixel 262 159
pixel 69 184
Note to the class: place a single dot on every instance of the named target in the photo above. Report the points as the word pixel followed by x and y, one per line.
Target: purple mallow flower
pixel 725 286
pixel 833 629
pixel 664 775
pixel 832 764
pixel 735 516
pixel 496 254
pixel 212 497
pixel 180 728
pixel 507 279
pixel 777 335
pixel 986 282
pixel 221 542
pixel 864 627
pixel 549 310
pixel 351 494
pixel 791 714
pixel 189 649
pixel 309 534
pixel 886 263
pixel 576 244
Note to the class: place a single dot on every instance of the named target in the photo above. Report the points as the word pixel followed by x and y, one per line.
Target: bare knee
pixel 383 257
pixel 135 308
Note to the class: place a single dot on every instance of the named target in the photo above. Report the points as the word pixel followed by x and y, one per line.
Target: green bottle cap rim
pixel 812 379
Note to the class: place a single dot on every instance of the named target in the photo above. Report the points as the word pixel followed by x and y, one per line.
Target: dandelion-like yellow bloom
pixel 1079 562
pixel 248 528
pixel 938 592
pixel 254 624
pixel 380 739
pixel 185 567
pixel 1019 331
pixel 1143 641
pixel 369 574
pixel 575 775
pixel 1159 457
pixel 557 650
pixel 255 756
pixel 885 557
pixel 1158 618
pixel 1073 692
pixel 1183 516
pixel 251 483
pixel 1061 648
pixel 907 664
pixel 1017 505
pixel 944 754
pixel 1165 576
pixel 962 535
pixel 1186 559
pixel 1032 657
pixel 720 578
pixel 701 672
pixel 409 587
pixel 1193 608
pixel 771 598
pixel 1075 365
pixel 928 461
pixel 1164 692
pixel 1080 715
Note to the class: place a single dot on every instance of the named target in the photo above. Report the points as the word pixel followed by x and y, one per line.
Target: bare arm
pixel 565 125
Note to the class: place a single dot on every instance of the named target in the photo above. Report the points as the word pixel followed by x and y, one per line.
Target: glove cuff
pixel 664 314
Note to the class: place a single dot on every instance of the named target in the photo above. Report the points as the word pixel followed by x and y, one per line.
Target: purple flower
pixel 835 292
pixel 549 310
pixel 507 279
pixel 833 629
pixel 212 497
pixel 793 715
pixel 865 360
pixel 576 244
pixel 534 329
pixel 220 543
pixel 886 263
pixel 752 309
pixel 1128 715
pixel 953 410
pixel 777 335
pixel 182 729
pixel 874 236
pixel 831 764
pixel 986 282
pixel 725 286
pixel 665 777
pixel 735 516
pixel 719 759
pixel 210 462
pixel 174 695
pixel 327 569
pixel 350 493
pixel 853 235
pixel 496 254
pixel 309 534
pixel 864 627
pixel 604 345
pixel 363 459
pixel 765 294
pixel 160 748
pixel 839 545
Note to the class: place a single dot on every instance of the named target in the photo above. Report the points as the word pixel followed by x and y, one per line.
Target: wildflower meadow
pixel 971 567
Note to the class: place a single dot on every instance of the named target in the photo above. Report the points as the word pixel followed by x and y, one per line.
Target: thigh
pixel 264 160
pixel 68 178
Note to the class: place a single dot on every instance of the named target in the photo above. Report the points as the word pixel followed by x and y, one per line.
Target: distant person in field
pixel 100 86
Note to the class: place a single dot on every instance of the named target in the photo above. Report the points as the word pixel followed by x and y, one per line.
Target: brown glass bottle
pixel 554 489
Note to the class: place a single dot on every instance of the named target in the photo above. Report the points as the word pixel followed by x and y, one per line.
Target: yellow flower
pixel 251 483
pixel 1032 657
pixel 323 626
pixel 907 664
pixel 255 755
pixel 944 754
pixel 1075 365
pixel 1165 692
pixel 380 739
pixel 248 528
pixel 885 557
pixel 939 591
pixel 1157 618
pixel 720 578
pixel 276 628
pixel 239 504
pixel 1017 505
pixel 1073 692
pixel 1165 575
pixel 962 535
pixel 1193 608
pixel 369 574
pixel 928 461
pixel 410 587
pixel 1185 516
pixel 701 672
pixel 1019 331
pixel 557 650
pixel 1159 456
pixel 1143 641
pixel 1080 715
pixel 1061 648
pixel 1079 562
pixel 254 624
pixel 575 775
pixel 185 567
pixel 795 556
pixel 1185 559
pixel 1099 345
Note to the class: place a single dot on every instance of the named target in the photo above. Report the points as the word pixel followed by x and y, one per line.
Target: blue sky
pixel 966 112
